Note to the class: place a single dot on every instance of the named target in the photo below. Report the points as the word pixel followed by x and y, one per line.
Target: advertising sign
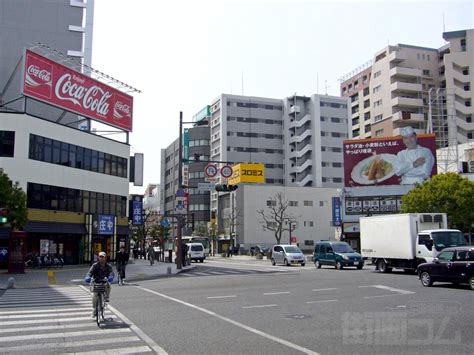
pixel 248 173
pixel 137 211
pixel 57 85
pixel 336 212
pixel 106 224
pixel 388 161
pixel 371 205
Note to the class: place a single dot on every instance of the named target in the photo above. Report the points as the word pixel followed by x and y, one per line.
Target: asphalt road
pixel 252 307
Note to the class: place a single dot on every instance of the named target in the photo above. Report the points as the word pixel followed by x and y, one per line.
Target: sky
pixel 183 54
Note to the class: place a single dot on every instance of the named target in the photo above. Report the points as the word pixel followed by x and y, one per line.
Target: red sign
pixel 388 161
pixel 60 86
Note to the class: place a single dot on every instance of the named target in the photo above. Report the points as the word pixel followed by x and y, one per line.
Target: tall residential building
pixel 397 87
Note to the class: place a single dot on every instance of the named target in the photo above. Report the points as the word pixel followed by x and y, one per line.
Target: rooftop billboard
pixel 389 160
pixel 57 85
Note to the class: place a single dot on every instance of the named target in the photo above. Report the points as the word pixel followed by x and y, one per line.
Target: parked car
pixel 258 249
pixel 287 255
pixel 337 254
pixel 455 265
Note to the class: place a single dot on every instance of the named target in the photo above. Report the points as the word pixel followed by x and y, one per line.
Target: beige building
pixel 395 90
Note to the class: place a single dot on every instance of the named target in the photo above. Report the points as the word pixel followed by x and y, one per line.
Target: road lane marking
pixel 324 289
pixel 322 301
pixel 215 297
pixel 46 315
pixel 70 344
pixel 46 327
pixel 50 310
pixel 260 306
pixel 382 287
pixel 276 293
pixel 149 341
pixel 53 320
pixel 225 319
pixel 391 295
pixel 130 350
pixel 66 335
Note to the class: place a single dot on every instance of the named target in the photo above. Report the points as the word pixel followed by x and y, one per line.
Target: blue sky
pixel 183 54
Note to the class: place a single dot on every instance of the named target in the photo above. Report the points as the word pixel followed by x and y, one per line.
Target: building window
pixel 7 144
pixel 377 74
pixel 307 203
pixel 308 223
pixel 379 133
pixel 271 203
pixel 378 118
pixel 426 72
pixel 293 203
pixel 378 103
pixel 376 89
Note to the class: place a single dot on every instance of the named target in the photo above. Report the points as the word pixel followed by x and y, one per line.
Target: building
pixel 400 86
pixel 298 139
pixel 76 181
pixel 151 198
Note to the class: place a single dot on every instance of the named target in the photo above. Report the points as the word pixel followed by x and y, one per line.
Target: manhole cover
pixel 298 316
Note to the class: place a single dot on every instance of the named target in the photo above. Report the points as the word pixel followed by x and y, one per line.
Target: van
pixel 287 255
pixel 337 254
pixel 196 252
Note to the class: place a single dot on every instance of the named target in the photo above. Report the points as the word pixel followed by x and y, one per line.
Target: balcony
pixel 406 87
pixel 405 72
pixel 300 138
pixel 299 153
pixel 300 122
pixel 396 57
pixel 407 102
pixel 403 116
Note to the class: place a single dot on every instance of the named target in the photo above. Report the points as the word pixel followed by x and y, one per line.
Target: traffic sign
pixel 180 193
pixel 226 171
pixel 205 186
pixel 165 223
pixel 210 170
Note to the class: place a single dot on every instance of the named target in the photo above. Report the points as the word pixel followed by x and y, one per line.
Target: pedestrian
pixel 151 254
pixel 122 260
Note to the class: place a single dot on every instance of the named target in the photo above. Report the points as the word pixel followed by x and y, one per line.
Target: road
pixel 251 307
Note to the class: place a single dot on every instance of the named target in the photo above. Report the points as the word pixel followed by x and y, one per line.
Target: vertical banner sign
pixel 137 213
pixel 336 212
pixel 106 224
pixel 57 85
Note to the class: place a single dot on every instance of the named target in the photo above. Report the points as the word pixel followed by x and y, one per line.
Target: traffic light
pixel 4 212
pixel 226 188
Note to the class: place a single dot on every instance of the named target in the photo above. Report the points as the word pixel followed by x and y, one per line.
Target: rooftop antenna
pixel 326 86
pixel 242 83
pixel 444 25
pixel 317 84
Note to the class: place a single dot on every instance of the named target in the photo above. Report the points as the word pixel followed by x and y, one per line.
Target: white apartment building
pixel 395 90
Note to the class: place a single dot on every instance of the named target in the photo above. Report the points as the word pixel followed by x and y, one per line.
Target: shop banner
pixel 336 212
pixel 387 161
pixel 57 85
pixel 106 224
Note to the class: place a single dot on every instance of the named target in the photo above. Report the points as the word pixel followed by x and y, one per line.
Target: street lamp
pixel 289 222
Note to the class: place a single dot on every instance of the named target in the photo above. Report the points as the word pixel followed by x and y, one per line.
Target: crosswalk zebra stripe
pixel 36 300
pixel 48 327
pixel 42 304
pixel 47 315
pixel 39 321
pixel 71 344
pixel 134 350
pixel 64 334
pixel 49 310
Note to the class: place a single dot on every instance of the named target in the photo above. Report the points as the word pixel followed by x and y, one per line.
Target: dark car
pixel 337 254
pixel 259 250
pixel 455 265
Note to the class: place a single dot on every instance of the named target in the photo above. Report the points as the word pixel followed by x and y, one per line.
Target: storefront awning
pixel 55 227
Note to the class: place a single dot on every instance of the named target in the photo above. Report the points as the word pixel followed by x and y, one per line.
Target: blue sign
pixel 336 212
pixel 165 223
pixel 3 254
pixel 106 224
pixel 137 213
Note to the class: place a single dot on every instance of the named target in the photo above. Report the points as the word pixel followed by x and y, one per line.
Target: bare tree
pixel 274 218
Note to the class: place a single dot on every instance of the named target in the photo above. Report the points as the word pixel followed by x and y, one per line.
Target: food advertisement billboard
pixel 389 160
pixel 57 85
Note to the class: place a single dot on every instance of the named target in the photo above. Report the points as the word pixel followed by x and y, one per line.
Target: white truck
pixel 406 240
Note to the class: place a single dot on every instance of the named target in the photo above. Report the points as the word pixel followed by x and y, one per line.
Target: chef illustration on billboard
pixel 413 164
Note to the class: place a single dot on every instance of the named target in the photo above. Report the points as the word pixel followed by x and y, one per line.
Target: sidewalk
pixel 140 269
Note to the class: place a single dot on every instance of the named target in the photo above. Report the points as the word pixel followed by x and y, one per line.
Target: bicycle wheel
pixel 99 310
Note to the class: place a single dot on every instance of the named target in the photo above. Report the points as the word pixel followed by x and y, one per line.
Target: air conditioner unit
pixel 470 165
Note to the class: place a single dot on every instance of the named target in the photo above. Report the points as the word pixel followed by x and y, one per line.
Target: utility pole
pixel 179 253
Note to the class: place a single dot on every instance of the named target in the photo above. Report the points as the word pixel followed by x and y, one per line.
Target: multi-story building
pixel 151 198
pixel 76 181
pixel 401 81
pixel 298 139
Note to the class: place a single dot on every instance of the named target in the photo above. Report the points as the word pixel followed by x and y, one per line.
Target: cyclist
pixel 122 261
pixel 99 271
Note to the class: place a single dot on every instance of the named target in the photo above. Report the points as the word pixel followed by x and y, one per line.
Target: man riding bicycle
pixel 98 272
pixel 122 261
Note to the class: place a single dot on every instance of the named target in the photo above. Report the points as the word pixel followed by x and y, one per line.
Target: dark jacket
pixel 122 258
pixel 98 272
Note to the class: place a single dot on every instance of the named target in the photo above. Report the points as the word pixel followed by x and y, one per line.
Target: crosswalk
pixel 55 320
pixel 218 271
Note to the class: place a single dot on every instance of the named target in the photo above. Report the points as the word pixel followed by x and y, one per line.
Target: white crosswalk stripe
pixel 57 319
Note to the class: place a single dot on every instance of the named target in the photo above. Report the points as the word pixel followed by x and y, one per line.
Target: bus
pixel 203 240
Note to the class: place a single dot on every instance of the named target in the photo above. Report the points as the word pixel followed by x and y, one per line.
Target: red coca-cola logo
pixel 122 110
pixel 42 76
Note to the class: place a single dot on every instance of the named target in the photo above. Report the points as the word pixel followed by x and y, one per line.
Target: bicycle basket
pixel 98 288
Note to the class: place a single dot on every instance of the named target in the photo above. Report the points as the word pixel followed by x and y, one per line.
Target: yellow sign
pixel 247 173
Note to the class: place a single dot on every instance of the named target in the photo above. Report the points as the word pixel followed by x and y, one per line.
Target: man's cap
pixel 407 131
pixel 102 254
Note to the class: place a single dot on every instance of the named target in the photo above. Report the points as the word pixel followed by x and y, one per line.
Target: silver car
pixel 287 255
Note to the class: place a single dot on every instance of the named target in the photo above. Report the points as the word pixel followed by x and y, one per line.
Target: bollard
pixel 10 282
pixel 168 270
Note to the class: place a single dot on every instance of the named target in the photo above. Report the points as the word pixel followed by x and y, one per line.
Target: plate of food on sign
pixel 374 169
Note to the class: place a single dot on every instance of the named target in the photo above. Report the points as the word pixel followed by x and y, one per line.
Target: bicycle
pixel 98 288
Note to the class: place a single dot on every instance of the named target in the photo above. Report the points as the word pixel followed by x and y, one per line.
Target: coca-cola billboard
pixel 57 85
